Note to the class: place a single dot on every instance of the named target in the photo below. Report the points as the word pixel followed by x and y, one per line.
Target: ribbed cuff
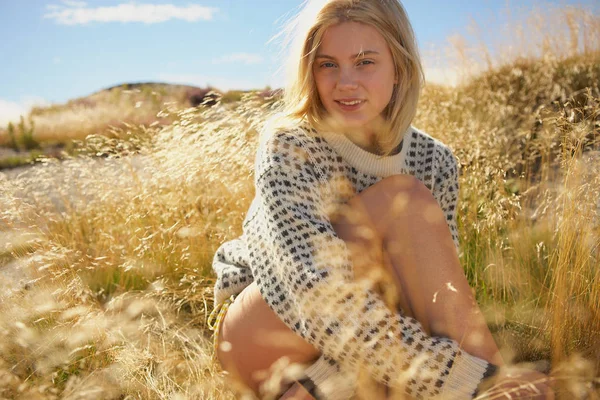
pixel 223 294
pixel 465 376
pixel 329 382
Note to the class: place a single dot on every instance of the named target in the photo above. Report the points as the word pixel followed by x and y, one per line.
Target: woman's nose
pixel 347 79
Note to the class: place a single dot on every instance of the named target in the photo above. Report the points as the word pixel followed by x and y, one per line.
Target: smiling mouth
pixel 349 103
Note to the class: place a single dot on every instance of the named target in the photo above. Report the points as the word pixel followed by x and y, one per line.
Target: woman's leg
pixel 252 339
pixel 403 227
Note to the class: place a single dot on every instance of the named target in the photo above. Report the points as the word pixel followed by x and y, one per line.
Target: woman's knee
pixel 394 197
pixel 408 186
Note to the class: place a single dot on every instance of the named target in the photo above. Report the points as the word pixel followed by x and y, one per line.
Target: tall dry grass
pixel 106 263
pixel 117 281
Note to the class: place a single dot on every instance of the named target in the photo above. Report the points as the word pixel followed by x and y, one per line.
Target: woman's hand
pixel 516 383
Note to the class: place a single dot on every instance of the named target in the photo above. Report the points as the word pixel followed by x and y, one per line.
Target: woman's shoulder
pixel 292 137
pixel 423 142
pixel 293 146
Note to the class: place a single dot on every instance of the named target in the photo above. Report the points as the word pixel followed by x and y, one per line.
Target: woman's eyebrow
pixel 352 57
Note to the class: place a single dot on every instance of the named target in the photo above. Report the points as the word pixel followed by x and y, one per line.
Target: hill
pixel 516 114
pixel 134 103
pixel 49 131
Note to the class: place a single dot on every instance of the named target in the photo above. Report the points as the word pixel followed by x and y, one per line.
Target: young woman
pixel 348 261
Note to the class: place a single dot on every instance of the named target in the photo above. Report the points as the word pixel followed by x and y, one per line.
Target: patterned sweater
pixel 304 273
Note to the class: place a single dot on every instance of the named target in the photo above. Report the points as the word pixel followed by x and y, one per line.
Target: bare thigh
pixel 365 242
pixel 258 339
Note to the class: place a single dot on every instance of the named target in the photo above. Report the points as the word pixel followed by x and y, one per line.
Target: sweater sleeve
pixel 231 269
pixel 446 190
pixel 304 274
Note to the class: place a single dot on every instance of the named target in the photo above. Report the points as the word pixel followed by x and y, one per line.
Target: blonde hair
pixel 304 34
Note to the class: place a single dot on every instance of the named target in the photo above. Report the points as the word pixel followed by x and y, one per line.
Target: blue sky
pixel 56 50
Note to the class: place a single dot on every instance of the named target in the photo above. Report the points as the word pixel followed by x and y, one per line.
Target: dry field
pixel 105 279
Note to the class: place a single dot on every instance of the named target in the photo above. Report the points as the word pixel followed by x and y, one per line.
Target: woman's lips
pixel 350 104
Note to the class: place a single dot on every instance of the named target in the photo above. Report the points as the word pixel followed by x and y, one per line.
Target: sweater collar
pixel 366 162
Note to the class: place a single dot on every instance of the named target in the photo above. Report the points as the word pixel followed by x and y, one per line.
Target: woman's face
pixel 355 75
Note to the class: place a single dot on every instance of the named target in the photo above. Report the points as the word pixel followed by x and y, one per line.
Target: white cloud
pixel 217 82
pixel 10 111
pixel 72 12
pixel 74 3
pixel 246 58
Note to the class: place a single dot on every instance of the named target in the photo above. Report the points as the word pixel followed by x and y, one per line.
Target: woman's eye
pixel 327 65
pixel 365 62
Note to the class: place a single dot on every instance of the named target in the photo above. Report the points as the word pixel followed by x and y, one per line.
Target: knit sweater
pixel 304 272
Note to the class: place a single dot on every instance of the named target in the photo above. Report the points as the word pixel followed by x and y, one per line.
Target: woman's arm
pixel 446 189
